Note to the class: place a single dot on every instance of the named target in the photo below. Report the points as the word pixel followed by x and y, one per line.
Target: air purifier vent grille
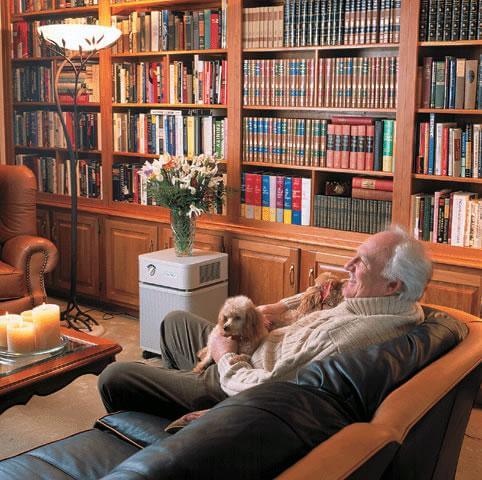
pixel 209 272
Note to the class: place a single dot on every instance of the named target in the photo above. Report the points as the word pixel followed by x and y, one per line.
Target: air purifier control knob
pixel 151 269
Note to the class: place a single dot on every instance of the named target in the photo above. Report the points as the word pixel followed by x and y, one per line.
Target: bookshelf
pixel 316 248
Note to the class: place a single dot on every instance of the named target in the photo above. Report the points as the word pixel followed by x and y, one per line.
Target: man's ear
pixel 393 287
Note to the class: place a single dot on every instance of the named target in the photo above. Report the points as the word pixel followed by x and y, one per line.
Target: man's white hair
pixel 410 264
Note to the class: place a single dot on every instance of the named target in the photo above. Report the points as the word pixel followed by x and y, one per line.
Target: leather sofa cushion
pixel 12 282
pixel 90 454
pixel 140 429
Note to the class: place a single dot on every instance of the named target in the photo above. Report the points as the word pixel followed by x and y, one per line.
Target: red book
pixel 337 147
pixel 372 183
pixel 444 161
pixel 360 151
pixel 345 146
pixel 214 30
pixel 347 120
pixel 280 194
pixel 369 194
pixel 257 195
pixel 249 194
pixel 296 201
pixel 370 142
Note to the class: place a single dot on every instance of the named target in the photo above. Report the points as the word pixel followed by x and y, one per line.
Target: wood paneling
pixel 87 252
pixel 124 242
pixel 263 271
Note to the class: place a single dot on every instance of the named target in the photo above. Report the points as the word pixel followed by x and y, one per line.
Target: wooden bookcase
pixel 260 251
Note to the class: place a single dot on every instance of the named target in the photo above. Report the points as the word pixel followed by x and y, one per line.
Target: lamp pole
pixel 59 41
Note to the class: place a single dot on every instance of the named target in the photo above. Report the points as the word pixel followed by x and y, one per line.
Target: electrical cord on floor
pixel 106 315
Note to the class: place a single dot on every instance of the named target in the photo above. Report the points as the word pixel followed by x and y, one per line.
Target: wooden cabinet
pixel 88 252
pixel 124 242
pixel 265 272
pixel 313 263
pixel 43 223
pixel 456 288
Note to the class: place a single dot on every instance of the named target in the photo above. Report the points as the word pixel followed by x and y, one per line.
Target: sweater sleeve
pixel 240 376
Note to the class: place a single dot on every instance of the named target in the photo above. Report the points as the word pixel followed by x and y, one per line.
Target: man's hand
pixel 221 345
pixel 271 313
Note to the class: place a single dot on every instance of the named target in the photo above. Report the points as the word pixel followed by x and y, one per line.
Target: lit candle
pixel 20 335
pixel 27 316
pixel 46 319
pixel 4 319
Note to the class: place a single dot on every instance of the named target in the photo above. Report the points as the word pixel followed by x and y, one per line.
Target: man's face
pixel 366 268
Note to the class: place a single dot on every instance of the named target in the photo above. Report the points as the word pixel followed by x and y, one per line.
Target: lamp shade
pixel 76 37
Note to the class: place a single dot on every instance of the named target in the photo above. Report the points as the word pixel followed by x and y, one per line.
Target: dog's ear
pixel 252 323
pixel 221 315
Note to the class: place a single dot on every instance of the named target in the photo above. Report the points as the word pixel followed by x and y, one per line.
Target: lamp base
pixel 76 318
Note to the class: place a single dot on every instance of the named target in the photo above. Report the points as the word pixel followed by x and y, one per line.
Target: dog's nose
pixel 225 328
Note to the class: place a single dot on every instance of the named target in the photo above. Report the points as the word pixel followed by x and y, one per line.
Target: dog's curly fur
pixel 239 319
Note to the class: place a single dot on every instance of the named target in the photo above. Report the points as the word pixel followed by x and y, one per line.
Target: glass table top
pixel 9 364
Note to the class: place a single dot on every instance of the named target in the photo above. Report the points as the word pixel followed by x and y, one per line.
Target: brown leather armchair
pixel 24 257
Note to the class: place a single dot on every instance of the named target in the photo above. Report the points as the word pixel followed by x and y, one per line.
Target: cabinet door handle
pixel 166 244
pixel 311 277
pixel 151 245
pixel 292 275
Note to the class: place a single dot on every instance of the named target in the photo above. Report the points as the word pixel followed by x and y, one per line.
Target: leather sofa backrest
pixel 18 189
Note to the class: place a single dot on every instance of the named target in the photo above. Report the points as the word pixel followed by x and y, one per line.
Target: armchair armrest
pixel 35 256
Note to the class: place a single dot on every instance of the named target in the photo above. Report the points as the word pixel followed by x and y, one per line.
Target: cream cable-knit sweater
pixel 355 323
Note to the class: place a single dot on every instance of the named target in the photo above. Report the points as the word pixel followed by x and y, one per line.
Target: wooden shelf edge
pixel 450 43
pixel 161 53
pixel 446 178
pixel 316 48
pixel 52 104
pixel 318 169
pixel 128 6
pixel 457 256
pixel 57 12
pixel 322 109
pixel 190 106
pixel 455 111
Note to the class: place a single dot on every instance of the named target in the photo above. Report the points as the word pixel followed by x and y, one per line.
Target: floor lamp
pixel 76 44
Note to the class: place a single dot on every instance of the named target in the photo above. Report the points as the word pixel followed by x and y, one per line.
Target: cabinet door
pixel 202 240
pixel 264 272
pixel 313 263
pixel 87 252
pixel 124 242
pixel 456 288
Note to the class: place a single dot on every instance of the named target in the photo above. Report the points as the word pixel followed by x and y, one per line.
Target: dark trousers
pixel 170 390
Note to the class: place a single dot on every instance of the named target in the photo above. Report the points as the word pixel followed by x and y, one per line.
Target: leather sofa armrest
pixel 18 250
pixel 35 256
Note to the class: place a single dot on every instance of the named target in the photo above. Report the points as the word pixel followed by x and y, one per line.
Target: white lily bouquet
pixel 188 187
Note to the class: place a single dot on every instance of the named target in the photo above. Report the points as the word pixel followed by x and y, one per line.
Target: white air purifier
pixel 197 284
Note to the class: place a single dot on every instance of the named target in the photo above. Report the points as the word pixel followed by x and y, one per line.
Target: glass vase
pixel 183 229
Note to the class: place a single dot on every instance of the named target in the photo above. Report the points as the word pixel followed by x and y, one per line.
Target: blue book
pixel 452 79
pixel 265 192
pixel 431 145
pixel 288 196
pixel 242 194
pixel 463 153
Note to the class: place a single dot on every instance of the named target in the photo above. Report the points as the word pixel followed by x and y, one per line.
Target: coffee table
pixel 45 374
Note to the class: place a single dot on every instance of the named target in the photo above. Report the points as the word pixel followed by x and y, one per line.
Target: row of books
pixel 451 83
pixel 341 22
pixel 27 6
pixel 276 198
pixel 170 131
pixel 34 83
pixel 454 218
pixel 197 81
pixel 129 186
pixel 171 30
pixel 43 129
pixel 53 176
pixel 344 143
pixel 450 20
pixel 351 214
pixel 449 150
pixel 355 82
pixel 26 40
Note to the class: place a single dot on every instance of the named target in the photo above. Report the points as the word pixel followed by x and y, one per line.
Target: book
pixel 305 201
pixel 471 71
pixel 287 200
pixel 372 183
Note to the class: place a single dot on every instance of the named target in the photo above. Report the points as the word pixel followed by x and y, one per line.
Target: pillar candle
pixel 27 316
pixel 20 336
pixel 46 319
pixel 4 319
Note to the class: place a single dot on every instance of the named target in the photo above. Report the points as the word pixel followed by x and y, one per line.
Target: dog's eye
pixel 225 318
pixel 236 317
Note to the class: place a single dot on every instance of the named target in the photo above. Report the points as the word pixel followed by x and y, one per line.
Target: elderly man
pixel 387 277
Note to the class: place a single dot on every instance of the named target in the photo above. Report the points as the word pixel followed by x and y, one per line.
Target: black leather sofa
pixel 282 427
